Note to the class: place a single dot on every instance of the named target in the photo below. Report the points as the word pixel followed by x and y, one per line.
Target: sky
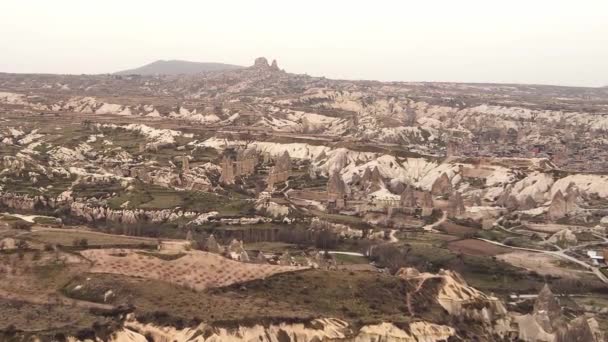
pixel 533 41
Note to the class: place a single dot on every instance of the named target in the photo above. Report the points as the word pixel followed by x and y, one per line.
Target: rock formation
pixel 564 205
pixel 558 207
pixel 275 66
pixel 459 299
pixel 7 244
pixel 408 198
pixel 572 197
pixel 261 63
pixel 456 205
pixel 528 203
pixel 336 191
pixel 547 311
pixel 212 245
pixel 427 204
pixel 370 181
pixel 280 171
pixel 321 329
pixel 185 163
pixel 285 259
pixel 563 238
pixel 441 186
pixel 476 200
pixel 236 251
pixel 578 330
pixel 237 164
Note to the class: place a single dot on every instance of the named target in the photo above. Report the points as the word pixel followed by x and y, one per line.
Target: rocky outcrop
pixel 98 211
pixel 442 186
pixel 564 203
pixel 341 230
pixel 7 244
pixel 456 205
pixel 578 330
pixel 280 171
pixel 564 237
pixel 237 163
pixel 418 331
pixel 274 66
pixel 336 191
pixel 461 300
pixel 547 323
pixel 321 329
pixel 212 245
pixel 547 311
pixel 261 63
pixel 528 203
pixel 408 198
pixel 236 251
pixel 370 181
pixel 271 209
pixel 427 204
pixel 558 207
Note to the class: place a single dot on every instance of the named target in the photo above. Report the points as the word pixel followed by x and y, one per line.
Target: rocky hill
pixel 177 67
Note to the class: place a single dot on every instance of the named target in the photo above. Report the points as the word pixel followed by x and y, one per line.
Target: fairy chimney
pixel 441 186
pixel 558 207
pixel 427 204
pixel 408 198
pixel 547 311
pixel 261 63
pixel 456 205
pixel 212 245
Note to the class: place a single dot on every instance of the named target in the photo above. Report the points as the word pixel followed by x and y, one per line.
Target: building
pixel 596 257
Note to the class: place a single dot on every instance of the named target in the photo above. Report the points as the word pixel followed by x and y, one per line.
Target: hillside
pixel 177 67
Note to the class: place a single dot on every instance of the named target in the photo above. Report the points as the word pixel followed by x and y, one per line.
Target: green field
pixel 66 238
pixel 350 259
pixel 147 196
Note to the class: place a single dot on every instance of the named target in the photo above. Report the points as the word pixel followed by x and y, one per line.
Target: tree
pixel 86 124
pixel 248 138
pixel 22 245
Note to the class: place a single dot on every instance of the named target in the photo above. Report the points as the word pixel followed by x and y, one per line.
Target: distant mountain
pixel 177 67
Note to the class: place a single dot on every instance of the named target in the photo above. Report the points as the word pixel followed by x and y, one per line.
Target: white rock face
pixel 591 184
pixel 157 137
pixel 323 329
pixel 12 98
pixel 535 185
pixel 272 209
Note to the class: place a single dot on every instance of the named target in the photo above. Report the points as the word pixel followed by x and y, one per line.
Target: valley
pixel 251 203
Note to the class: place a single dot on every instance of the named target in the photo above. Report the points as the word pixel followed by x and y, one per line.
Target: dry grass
pixel 543 264
pixel 66 237
pixel 354 296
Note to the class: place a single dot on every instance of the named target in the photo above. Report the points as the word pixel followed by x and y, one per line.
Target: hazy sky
pixel 531 41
